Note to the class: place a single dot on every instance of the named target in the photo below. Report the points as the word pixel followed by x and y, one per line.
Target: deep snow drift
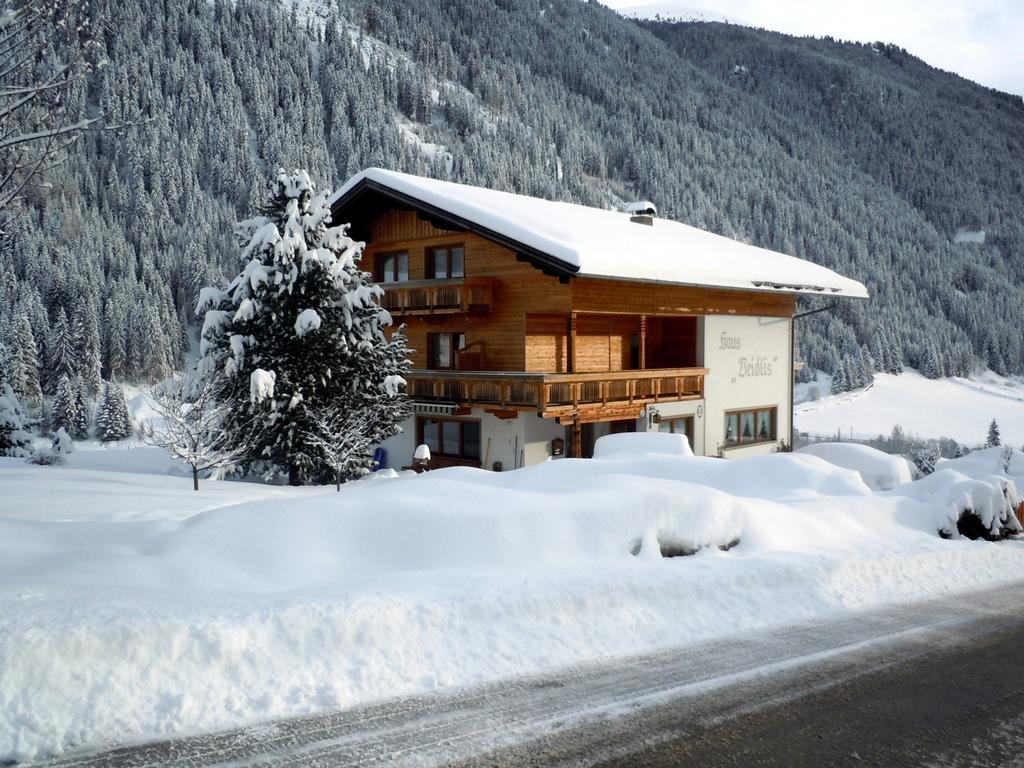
pixel 879 471
pixel 131 607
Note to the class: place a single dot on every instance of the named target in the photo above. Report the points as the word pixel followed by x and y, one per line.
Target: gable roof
pixel 571 240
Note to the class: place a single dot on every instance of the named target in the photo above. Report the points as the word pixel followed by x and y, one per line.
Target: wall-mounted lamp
pixel 558 447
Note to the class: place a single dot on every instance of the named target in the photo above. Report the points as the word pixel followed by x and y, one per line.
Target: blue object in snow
pixel 380 459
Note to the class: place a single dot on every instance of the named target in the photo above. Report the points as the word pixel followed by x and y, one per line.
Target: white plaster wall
pixel 400 447
pixel 505 436
pixel 750 366
pixel 538 433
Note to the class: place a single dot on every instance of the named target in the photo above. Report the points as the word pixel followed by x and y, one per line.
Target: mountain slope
pixel 770 139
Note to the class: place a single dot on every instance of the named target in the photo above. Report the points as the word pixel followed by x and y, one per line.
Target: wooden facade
pixel 578 350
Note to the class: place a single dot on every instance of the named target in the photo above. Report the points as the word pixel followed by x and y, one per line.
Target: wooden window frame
pixel 420 419
pixel 455 349
pixel 428 261
pixel 379 273
pixel 739 413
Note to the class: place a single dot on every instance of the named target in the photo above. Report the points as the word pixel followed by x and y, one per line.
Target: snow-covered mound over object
pixel 632 445
pixel 592 241
pixel 992 501
pixel 880 471
pixel 131 607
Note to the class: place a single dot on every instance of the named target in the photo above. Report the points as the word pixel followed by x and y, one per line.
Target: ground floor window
pixel 450 438
pixel 756 425
pixel 680 425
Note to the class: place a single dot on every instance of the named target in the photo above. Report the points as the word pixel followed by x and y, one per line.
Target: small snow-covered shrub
pixel 57 453
pixel 46 457
pixel 926 458
pixel 977 508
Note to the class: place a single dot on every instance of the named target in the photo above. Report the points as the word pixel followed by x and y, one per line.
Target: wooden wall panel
pixel 521 289
pixel 592 344
pixel 394 225
pixel 605 342
pixel 598 295
pixel 547 344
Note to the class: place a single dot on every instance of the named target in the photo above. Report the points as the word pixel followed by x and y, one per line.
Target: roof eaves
pixel 550 265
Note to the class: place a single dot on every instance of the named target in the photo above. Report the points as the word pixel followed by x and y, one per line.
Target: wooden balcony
pixel 459 295
pixel 557 394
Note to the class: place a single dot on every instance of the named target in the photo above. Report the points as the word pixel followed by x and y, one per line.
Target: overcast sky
pixel 982 40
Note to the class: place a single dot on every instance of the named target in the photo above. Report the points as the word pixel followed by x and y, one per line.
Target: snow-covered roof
pixel 576 240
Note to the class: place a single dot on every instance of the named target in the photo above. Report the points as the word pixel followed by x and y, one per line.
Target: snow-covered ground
pixel 957 408
pixel 131 607
pixel 669 9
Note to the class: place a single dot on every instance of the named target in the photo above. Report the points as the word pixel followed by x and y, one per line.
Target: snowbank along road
pixel 640 709
pixel 133 609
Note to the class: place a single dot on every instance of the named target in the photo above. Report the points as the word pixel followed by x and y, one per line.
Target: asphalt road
pixel 933 684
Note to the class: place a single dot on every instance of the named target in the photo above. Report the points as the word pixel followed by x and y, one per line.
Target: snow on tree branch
pixel 297 341
pixel 37 124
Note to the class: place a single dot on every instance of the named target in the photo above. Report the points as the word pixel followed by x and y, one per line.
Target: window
pixel 682 425
pixel 392 267
pixel 451 438
pixel 441 349
pixel 446 262
pixel 756 425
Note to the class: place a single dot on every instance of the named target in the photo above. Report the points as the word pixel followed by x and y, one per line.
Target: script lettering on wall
pixel 748 366
pixel 756 366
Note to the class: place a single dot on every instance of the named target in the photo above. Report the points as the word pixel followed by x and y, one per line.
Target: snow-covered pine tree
pixel 153 346
pixel 14 437
pixel 112 420
pixel 931 361
pixel 927 457
pixel 993 440
pixel 868 366
pixel 79 428
pixel 25 364
pixel 85 334
pixel 840 378
pixel 880 352
pixel 7 362
pixel 68 411
pixel 62 410
pixel 60 352
pixel 116 327
pixel 298 331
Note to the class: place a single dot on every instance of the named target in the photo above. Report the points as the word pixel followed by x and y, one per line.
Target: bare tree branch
pixel 191 430
pixel 34 113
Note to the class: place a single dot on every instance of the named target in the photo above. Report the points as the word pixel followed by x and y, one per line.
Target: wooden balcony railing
pixel 555 393
pixel 473 295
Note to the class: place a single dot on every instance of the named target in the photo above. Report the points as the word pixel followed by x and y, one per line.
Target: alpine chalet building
pixel 539 326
